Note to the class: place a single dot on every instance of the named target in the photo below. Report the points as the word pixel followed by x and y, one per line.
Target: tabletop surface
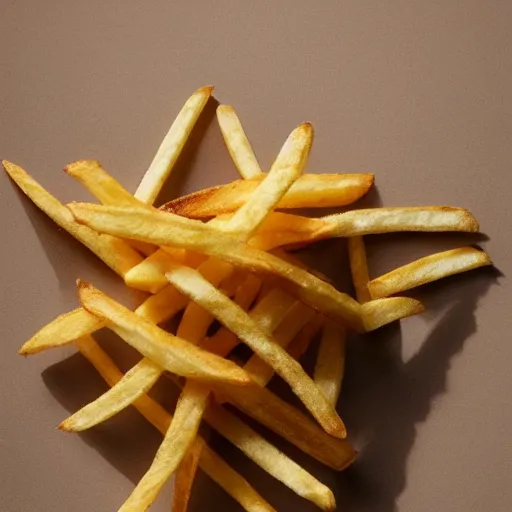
pixel 418 93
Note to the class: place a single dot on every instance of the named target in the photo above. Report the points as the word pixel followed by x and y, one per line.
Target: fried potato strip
pixel 428 269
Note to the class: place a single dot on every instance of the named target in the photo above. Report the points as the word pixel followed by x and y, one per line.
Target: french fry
pixel 115 253
pixel 107 190
pixel 171 353
pixel 162 228
pixel 178 438
pixel 100 184
pixel 379 312
pixel 330 363
pixel 412 218
pixel 288 422
pixel 237 143
pixel 428 269
pixel 359 268
pixel 136 382
pixel 172 145
pixel 309 191
pixel 191 283
pixel 184 478
pixel 213 465
pixel 63 330
pixel 269 458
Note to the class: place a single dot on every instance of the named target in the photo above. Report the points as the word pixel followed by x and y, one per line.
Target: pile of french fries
pixel 224 254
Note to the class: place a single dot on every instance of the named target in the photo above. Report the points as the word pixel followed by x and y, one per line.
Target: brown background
pixel 417 92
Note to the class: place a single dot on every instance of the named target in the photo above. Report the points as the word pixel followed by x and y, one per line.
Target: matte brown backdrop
pixel 417 92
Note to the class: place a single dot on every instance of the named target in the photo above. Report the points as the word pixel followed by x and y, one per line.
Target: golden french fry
pixel 170 352
pixel 213 465
pixel 162 228
pixel 291 424
pixel 117 254
pixel 135 383
pixel 269 458
pixel 412 218
pixel 237 143
pixel 379 312
pixel 184 478
pixel 178 438
pixel 192 284
pixel 359 268
pixel 428 269
pixel 309 191
pixel 172 145
pixel 63 330
pixel 330 363
pixel 102 186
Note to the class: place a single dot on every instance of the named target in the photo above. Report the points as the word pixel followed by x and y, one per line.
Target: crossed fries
pixel 222 254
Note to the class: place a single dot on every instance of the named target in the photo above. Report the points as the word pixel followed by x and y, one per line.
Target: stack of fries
pixel 224 254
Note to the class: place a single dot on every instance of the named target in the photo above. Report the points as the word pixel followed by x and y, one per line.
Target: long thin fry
pixel 412 218
pixel 64 329
pixel 172 145
pixel 184 478
pixel 309 191
pixel 237 143
pixel 428 269
pixel 359 268
pixel 330 363
pixel 136 383
pixel 191 283
pixel 379 312
pixel 170 352
pixel 269 458
pixel 178 438
pixel 289 423
pixel 102 186
pixel 163 229
pixel 117 254
pixel 213 465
